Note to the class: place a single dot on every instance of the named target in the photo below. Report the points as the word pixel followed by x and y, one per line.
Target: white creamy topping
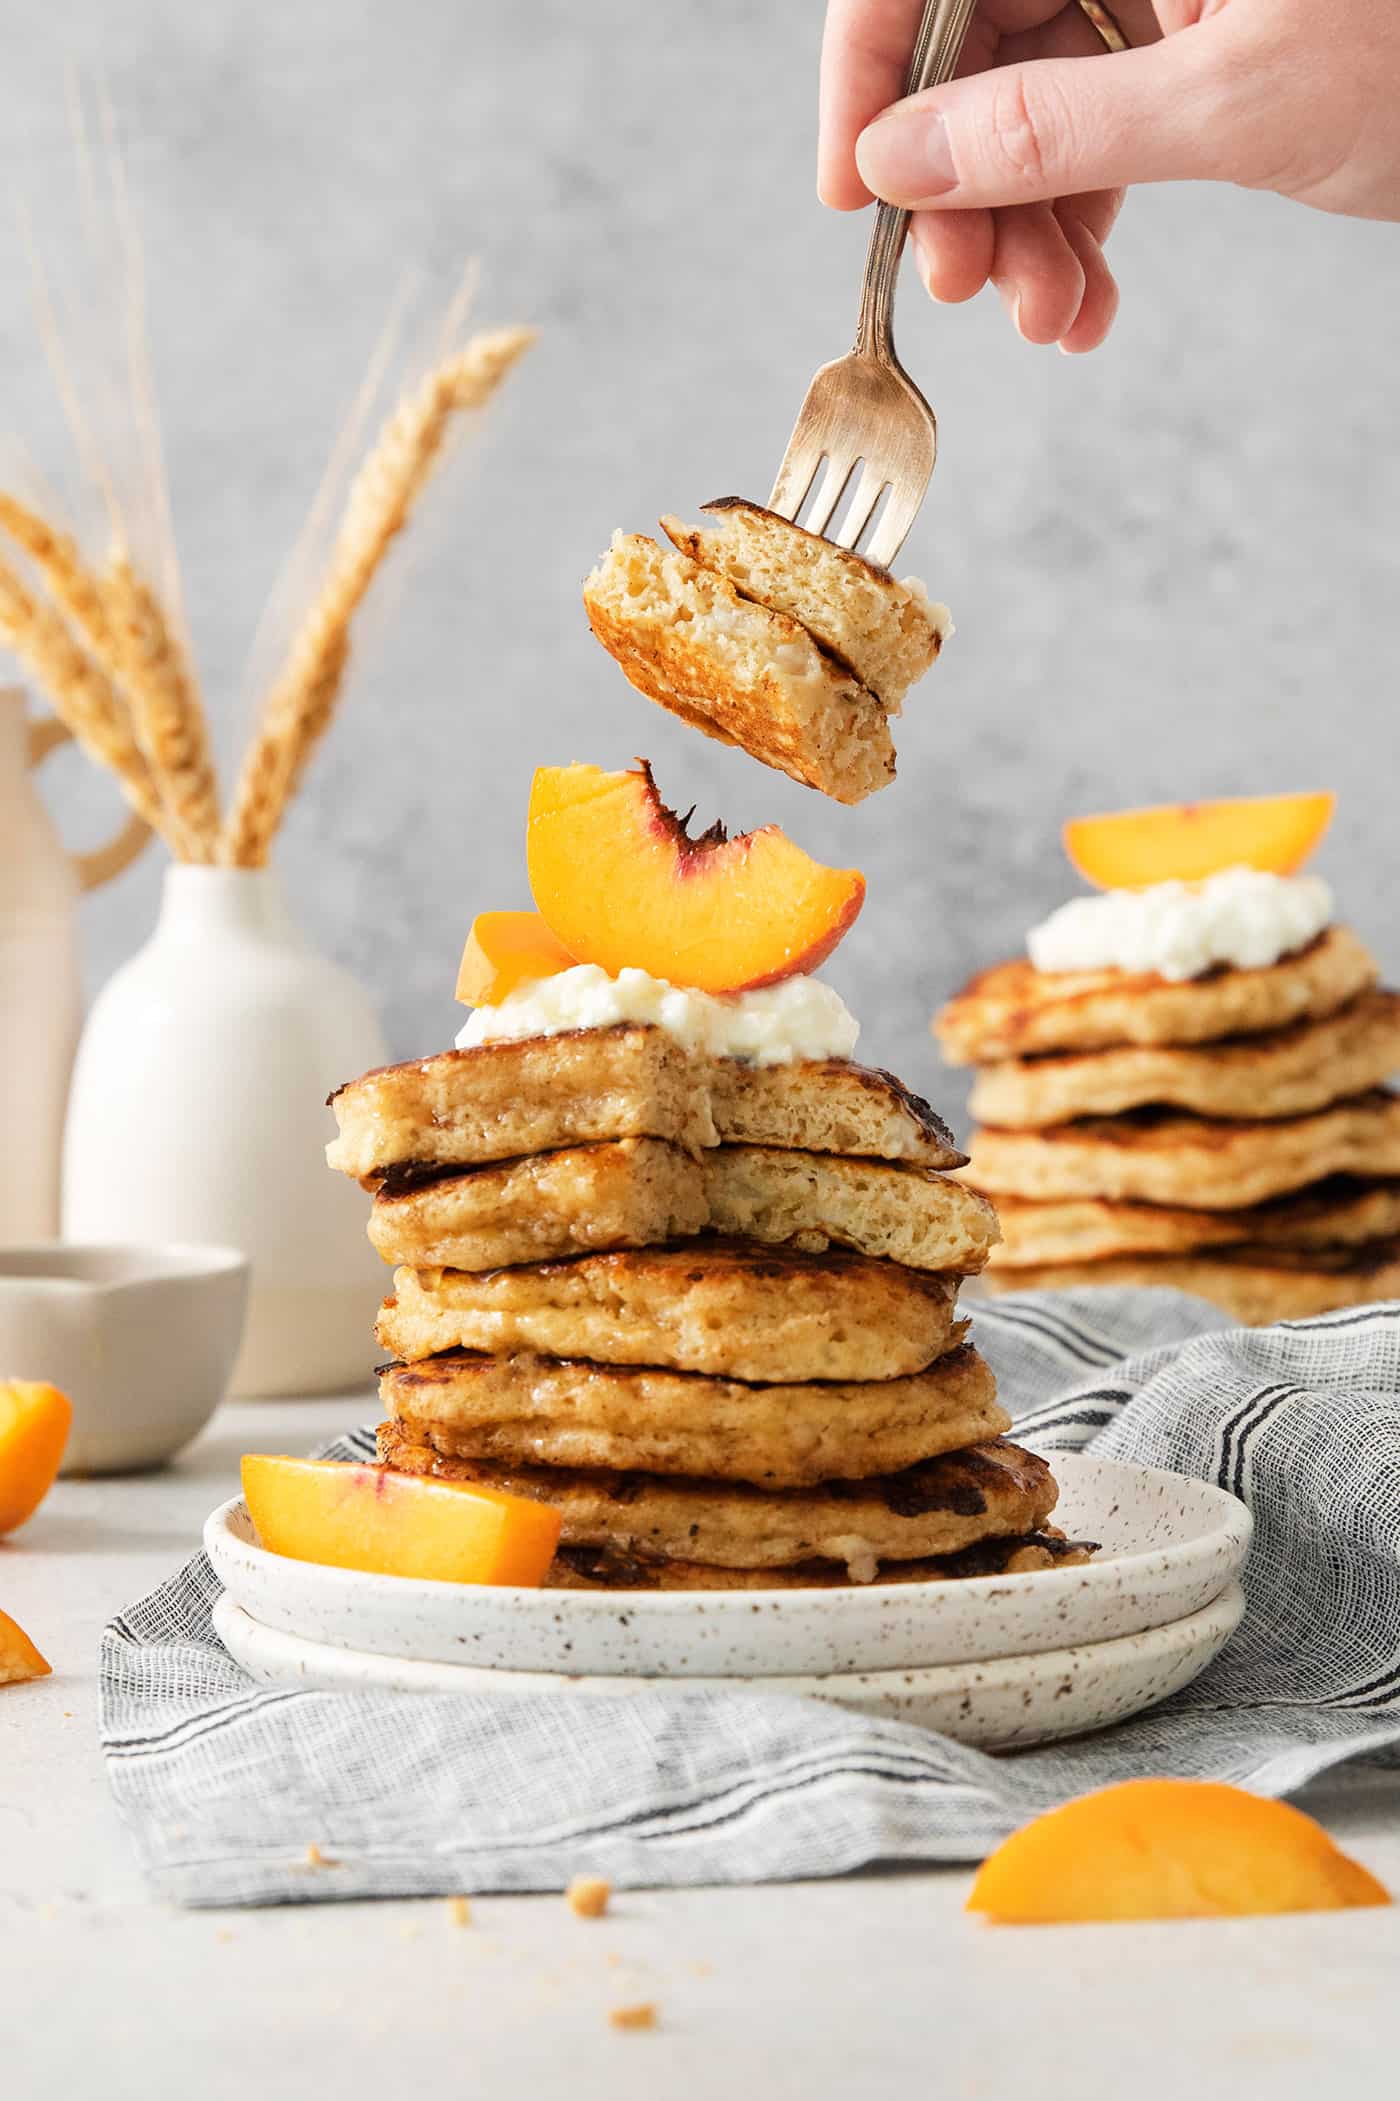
pixel 1242 917
pixel 940 619
pixel 799 1018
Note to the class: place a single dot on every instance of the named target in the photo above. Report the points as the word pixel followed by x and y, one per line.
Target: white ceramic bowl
pixel 141 1339
pixel 1170 1545
pixel 1005 1703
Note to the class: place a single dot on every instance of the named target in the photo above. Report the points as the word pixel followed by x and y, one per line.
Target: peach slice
pixel 620 881
pixel 19 1659
pixel 1185 842
pixel 368 1517
pixel 34 1423
pixel 1168 1849
pixel 506 949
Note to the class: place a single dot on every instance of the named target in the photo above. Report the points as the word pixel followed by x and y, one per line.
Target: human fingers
pixel 1037 272
pixel 865 60
pixel 1098 307
pixel 953 252
pixel 1051 127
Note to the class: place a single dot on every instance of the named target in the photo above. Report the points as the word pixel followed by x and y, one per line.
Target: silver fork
pixel 864 407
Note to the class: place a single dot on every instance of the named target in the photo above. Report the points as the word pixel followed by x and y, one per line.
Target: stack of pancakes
pixel 705 1308
pixel 1230 1136
pixel 765 636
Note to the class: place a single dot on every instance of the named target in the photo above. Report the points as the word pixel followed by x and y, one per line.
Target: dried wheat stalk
pixel 166 714
pixel 301 701
pixel 80 693
pixel 72 585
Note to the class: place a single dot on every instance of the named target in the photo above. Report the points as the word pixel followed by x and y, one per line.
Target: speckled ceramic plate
pixel 1004 1703
pixel 1170 1545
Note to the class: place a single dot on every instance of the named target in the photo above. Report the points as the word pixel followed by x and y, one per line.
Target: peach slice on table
pixel 34 1424
pixel 367 1517
pixel 1186 842
pixel 620 881
pixel 19 1659
pixel 506 949
pixel 1168 1849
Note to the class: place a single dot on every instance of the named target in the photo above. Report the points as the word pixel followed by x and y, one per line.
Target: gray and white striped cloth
pixel 224 1784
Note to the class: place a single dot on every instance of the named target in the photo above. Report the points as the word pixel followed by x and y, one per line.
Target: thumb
pixel 1058 126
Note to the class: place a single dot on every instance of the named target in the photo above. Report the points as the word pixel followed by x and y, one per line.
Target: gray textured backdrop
pixel 1173 564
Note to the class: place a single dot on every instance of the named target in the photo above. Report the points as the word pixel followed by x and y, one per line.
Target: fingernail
pixel 1012 302
pixel 921 261
pixel 905 157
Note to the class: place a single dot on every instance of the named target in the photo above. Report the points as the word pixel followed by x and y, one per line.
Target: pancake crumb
pixel 459 1911
pixel 587 1896
pixel 315 1858
pixel 641 2016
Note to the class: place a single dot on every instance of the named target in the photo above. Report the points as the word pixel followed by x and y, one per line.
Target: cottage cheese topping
pixel 1241 917
pixel 939 618
pixel 799 1018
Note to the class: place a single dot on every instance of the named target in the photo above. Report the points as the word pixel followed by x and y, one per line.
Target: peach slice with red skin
pixel 621 882
pixel 1168 1849
pixel 1186 842
pixel 34 1424
pixel 368 1517
pixel 19 1659
pixel 506 949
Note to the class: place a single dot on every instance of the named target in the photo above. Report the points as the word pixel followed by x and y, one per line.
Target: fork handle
pixel 937 49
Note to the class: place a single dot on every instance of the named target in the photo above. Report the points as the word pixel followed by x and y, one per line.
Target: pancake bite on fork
pixel 761 634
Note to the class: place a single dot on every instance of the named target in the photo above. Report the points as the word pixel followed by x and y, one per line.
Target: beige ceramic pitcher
pixel 40 980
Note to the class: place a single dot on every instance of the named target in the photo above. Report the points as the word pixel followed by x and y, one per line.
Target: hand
pixel 1015 170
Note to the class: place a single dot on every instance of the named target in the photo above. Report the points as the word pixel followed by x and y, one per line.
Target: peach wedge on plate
pixel 1168 1849
pixel 367 1517
pixel 620 881
pixel 1186 842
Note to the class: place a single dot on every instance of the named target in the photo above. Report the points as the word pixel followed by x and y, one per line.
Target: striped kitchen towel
pixel 224 1783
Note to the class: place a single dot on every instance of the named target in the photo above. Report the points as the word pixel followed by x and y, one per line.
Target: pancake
pixel 1157 1157
pixel 884 632
pixel 635 1192
pixel 641 1192
pixel 552 1412
pixel 1339 1212
pixel 1255 1286
pixel 938 1507
pixel 587 1568
pixel 814 1200
pixel 825 1105
pixel 737 671
pixel 1283 1072
pixel 1014 1010
pixel 729 1307
pixel 501 1101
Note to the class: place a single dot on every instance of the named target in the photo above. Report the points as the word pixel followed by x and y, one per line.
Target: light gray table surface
pixel 876 1982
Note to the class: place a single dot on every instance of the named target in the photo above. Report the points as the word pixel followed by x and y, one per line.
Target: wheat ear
pixel 302 700
pixel 80 693
pixel 166 714
pixel 72 585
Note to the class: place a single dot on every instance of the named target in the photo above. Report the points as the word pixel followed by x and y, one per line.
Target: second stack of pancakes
pixel 1231 1136
pixel 707 1309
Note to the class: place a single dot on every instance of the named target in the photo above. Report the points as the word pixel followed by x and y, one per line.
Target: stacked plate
pixel 998 1661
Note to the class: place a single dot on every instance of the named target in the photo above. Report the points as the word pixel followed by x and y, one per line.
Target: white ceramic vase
pixel 197 1114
